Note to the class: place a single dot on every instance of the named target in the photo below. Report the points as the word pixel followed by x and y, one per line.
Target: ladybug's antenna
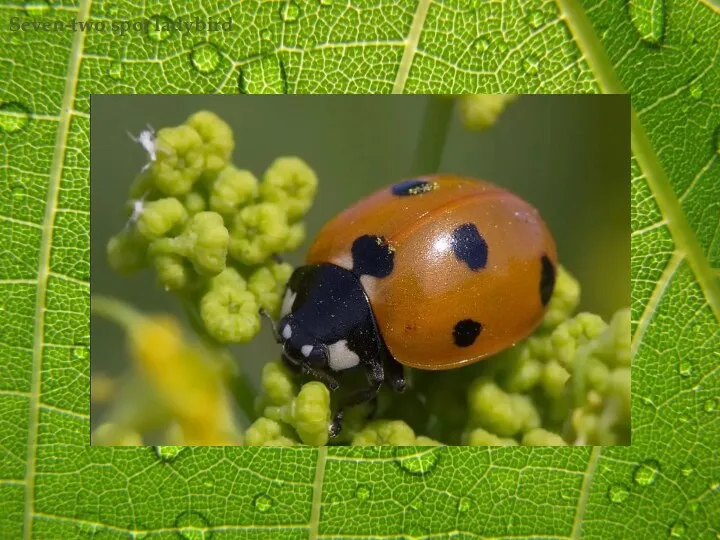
pixel 267 316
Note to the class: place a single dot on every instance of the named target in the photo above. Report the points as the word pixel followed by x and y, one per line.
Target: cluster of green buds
pixel 211 230
pixel 568 383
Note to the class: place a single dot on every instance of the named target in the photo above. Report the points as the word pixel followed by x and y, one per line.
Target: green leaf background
pixel 666 54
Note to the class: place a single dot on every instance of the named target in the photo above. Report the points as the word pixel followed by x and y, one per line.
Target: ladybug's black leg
pixel 367 395
pixel 375 376
pixel 266 315
pixel 295 368
pixel 394 371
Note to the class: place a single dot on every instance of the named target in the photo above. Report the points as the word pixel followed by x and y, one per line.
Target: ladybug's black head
pixel 299 346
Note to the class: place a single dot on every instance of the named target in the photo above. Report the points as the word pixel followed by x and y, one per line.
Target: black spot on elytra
pixel 547 279
pixel 372 256
pixel 470 247
pixel 466 332
pixel 412 187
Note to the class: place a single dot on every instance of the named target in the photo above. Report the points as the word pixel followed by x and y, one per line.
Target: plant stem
pixel 241 389
pixel 115 310
pixel 429 149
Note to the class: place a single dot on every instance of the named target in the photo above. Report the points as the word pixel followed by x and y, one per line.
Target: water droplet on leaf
pixel 160 28
pixel 115 70
pixel 710 405
pixel 618 493
pixel 362 493
pixel 80 353
pixel 265 75
pixel 36 8
pixel 531 64
pixel 263 503
pixel 482 44
pixel 648 18
pixel 646 473
pixel 685 368
pixel 678 529
pixel 696 90
pixel 289 11
pixel 193 525
pixel 205 57
pixel 464 504
pixel 417 462
pixel 13 117
pixel 167 453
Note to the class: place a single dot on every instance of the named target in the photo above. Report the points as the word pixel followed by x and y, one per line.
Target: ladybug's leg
pixel 394 371
pixel 375 376
pixel 367 395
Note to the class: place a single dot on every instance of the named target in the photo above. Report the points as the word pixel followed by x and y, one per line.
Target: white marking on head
pixel 341 357
pixel 287 332
pixel 288 302
pixel 306 350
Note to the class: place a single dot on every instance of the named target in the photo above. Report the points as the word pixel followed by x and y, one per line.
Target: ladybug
pixel 432 273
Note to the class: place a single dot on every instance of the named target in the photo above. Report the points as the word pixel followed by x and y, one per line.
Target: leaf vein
pixel 411 46
pixel 63 131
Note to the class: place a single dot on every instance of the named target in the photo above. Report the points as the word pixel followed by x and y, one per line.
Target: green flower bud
pixel 179 160
pixel 267 283
pixel 525 372
pixel 613 346
pixel 291 184
pixel 597 374
pixel 266 432
pixel 172 273
pixel 296 236
pixel 228 311
pixel 218 142
pixel 554 379
pixel 542 437
pixel 564 301
pixel 311 413
pixel 278 387
pixel 127 252
pixel 204 242
pixel 480 437
pixel 573 333
pixel 160 217
pixel 211 243
pixel 385 433
pixel 195 203
pixel 501 413
pixel 258 232
pixel 231 189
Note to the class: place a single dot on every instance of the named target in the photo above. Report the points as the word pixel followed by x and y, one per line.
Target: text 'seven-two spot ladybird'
pixel 432 273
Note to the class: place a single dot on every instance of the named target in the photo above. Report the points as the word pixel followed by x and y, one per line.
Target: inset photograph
pixel 360 270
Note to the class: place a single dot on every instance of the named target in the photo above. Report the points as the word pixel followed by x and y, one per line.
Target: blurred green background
pixel 568 155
